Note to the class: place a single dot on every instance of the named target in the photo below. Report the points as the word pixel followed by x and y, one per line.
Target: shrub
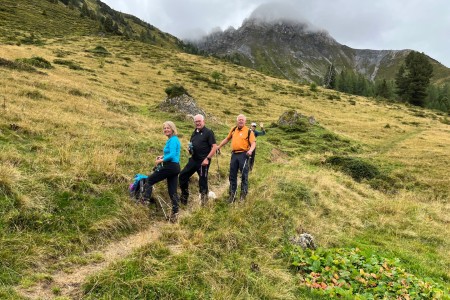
pixel 12 65
pixel 301 125
pixel 216 76
pixel 445 121
pixel 99 50
pixel 355 167
pixel 36 61
pixel 77 92
pixel 61 53
pixel 337 97
pixel 261 102
pixel 35 95
pixel 176 90
pixel 32 40
pixel 72 65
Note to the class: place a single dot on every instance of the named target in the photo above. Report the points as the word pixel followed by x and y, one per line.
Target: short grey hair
pixel 241 115
pixel 202 117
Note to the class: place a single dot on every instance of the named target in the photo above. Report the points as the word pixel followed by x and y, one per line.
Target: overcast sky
pixel 362 24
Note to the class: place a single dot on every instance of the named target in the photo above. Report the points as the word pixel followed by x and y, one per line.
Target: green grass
pixel 304 138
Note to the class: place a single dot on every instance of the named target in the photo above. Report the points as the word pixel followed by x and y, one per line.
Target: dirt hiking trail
pixel 68 285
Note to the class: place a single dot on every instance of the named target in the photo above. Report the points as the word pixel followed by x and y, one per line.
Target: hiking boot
pixel 173 218
pixel 145 201
pixel 184 199
pixel 203 199
pixel 242 198
pixel 231 199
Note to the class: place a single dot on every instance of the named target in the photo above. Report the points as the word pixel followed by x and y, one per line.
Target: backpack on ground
pixel 136 189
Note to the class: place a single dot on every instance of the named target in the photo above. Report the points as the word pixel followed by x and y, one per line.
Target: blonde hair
pixel 172 126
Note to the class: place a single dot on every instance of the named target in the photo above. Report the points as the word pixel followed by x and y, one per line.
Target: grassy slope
pixel 83 134
pixel 71 141
pixel 20 18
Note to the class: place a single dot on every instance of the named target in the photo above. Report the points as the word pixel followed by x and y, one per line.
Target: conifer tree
pixel 383 89
pixel 413 78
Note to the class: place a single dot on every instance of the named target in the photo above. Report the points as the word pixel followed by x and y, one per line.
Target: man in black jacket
pixel 202 147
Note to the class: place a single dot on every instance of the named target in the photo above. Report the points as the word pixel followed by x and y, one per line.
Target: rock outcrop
pixel 183 104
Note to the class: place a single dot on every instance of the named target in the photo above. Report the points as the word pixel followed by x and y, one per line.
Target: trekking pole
pixel 161 205
pixel 218 169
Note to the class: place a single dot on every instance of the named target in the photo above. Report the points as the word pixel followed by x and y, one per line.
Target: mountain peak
pixel 272 13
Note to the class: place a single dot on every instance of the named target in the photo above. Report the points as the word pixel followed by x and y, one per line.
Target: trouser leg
pixel 234 168
pixel 203 183
pixel 244 168
pixel 203 179
pixel 153 178
pixel 172 189
pixel 252 160
pixel 184 177
pixel 170 172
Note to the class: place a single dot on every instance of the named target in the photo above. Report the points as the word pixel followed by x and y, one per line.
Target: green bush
pixel 99 50
pixel 35 95
pixel 77 92
pixel 355 167
pixel 36 61
pixel 301 125
pixel 176 90
pixel 445 121
pixel 32 40
pixel 72 65
pixel 13 65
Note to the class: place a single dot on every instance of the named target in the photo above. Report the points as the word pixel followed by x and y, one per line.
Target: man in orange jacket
pixel 243 144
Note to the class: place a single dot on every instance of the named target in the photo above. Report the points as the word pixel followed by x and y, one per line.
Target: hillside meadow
pixel 80 117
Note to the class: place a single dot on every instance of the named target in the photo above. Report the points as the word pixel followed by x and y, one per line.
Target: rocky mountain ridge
pixel 294 51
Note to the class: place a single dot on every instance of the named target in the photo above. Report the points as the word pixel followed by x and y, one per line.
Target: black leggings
pixel 169 171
